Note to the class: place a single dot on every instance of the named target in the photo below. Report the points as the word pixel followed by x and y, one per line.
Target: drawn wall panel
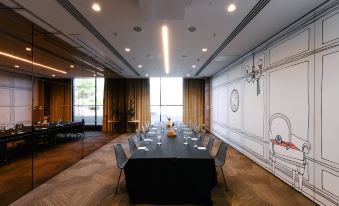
pixel 254 109
pixel 330 28
pixel 288 95
pixel 292 46
pixel 329 107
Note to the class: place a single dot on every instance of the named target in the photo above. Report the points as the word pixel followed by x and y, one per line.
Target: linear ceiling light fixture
pixel 30 62
pixel 165 46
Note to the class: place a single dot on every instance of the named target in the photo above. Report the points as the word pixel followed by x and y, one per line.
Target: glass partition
pixel 49 90
pixel 15 105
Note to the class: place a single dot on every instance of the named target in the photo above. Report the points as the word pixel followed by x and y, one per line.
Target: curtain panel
pixel 114 105
pixel 60 106
pixel 117 95
pixel 194 98
pixel 138 90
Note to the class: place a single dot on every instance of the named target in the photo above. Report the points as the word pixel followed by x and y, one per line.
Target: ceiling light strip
pixel 78 16
pixel 165 46
pixel 249 17
pixel 30 62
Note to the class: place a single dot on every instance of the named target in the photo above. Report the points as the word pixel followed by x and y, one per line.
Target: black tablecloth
pixel 170 173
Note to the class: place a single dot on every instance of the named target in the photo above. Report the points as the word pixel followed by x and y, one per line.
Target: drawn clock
pixel 234 100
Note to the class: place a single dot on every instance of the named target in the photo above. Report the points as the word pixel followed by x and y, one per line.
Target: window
pixel 88 100
pixel 166 98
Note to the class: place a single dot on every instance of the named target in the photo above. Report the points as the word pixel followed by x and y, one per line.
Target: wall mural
pixel 288 148
pixel 234 100
pixel 290 126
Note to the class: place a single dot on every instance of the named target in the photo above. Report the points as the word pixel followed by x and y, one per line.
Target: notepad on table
pixel 148 140
pixel 142 148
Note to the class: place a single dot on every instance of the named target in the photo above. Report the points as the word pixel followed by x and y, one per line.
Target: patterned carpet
pixel 92 181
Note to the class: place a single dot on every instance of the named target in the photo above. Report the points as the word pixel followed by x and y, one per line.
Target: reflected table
pixel 171 173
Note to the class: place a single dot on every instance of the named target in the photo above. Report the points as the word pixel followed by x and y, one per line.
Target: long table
pixel 171 173
pixel 32 135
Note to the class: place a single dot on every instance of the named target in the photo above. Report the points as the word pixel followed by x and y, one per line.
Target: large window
pixel 166 98
pixel 88 100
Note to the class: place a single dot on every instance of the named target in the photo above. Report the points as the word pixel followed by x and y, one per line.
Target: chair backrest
pixel 221 153
pixel 210 144
pixel 132 146
pixel 139 136
pixel 120 156
pixel 202 136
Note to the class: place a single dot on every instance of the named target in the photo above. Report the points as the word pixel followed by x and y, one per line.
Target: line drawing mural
pixel 234 100
pixel 287 147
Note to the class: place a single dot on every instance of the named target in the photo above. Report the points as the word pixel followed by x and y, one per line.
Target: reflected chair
pixel 220 158
pixel 131 143
pixel 121 161
pixel 210 144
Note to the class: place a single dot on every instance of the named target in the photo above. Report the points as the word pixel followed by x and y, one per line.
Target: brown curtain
pixel 138 90
pixel 114 97
pixel 60 92
pixel 194 101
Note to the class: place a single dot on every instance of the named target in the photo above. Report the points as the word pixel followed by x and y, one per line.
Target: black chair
pixel 220 158
pixel 121 161
pixel 131 143
pixel 139 137
pixel 201 137
pixel 210 144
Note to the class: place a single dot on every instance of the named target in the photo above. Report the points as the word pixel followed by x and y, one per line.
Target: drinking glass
pixel 159 139
pixel 195 140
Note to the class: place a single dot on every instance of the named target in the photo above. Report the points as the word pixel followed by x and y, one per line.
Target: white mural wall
pixel 291 126
pixel 15 100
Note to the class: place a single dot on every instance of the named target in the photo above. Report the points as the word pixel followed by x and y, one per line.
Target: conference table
pixel 170 173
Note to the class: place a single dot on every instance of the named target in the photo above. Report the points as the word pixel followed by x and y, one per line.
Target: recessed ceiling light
pixel 194 66
pixel 146 75
pixel 140 66
pixel 16 66
pixel 231 8
pixel 72 66
pixel 96 7
pixel 53 75
pixel 28 49
pixel 204 49
pixel 127 49
pixel 191 29
pixel 187 75
pixel 137 29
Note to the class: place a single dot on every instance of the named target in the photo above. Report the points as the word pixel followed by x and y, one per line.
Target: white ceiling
pixel 117 18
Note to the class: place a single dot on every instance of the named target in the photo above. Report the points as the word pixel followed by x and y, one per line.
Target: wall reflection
pixel 39 135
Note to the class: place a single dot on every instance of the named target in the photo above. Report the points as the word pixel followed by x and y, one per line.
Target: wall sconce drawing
pixel 253 74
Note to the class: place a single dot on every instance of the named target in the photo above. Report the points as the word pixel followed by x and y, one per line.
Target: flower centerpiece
pixel 131 109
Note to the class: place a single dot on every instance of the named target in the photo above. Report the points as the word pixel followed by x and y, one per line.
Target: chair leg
pixel 116 189
pixel 223 176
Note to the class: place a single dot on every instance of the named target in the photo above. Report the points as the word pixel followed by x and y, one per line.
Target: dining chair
pixel 131 143
pixel 202 136
pixel 210 144
pixel 220 158
pixel 121 161
pixel 139 137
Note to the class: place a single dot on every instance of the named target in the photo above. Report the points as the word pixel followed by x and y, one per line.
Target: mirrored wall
pixel 51 104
